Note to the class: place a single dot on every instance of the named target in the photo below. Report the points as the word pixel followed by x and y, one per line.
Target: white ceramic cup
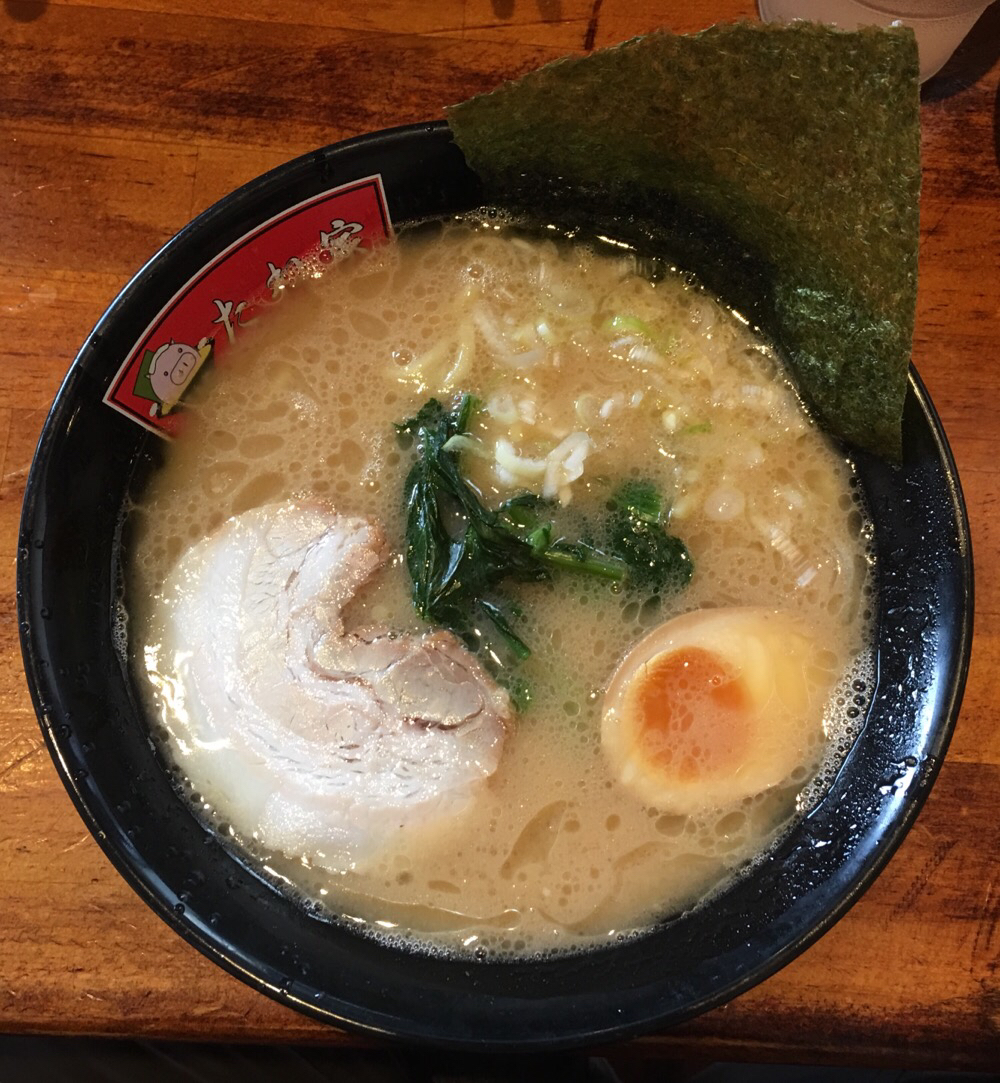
pixel 939 24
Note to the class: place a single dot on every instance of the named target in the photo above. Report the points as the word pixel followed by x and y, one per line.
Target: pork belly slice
pixel 327 741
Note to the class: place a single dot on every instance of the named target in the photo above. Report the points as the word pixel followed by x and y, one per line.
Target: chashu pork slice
pixel 322 742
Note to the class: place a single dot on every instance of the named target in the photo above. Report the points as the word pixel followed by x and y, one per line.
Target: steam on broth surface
pixel 591 369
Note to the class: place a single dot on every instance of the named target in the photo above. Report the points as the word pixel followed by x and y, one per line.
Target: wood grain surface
pixel 119 121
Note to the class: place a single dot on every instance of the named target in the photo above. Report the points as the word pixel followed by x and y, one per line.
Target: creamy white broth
pixel 555 340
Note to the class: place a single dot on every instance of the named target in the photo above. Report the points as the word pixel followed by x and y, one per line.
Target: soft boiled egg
pixel 717 705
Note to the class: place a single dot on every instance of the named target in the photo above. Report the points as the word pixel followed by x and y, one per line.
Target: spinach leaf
pixel 459 552
pixel 658 562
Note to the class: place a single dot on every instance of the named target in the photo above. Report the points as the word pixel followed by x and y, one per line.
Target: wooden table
pixel 118 123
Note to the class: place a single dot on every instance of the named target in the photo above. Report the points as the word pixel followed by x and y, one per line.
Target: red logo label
pixel 203 319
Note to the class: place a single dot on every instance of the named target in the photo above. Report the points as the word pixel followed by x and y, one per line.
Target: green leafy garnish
pixel 658 562
pixel 523 516
pixel 459 552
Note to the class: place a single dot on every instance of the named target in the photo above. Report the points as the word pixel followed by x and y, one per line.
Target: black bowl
pixel 68 588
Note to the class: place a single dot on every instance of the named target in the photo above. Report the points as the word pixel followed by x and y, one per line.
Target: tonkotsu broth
pixel 669 386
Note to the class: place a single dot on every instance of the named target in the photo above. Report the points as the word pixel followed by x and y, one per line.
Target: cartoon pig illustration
pixel 167 372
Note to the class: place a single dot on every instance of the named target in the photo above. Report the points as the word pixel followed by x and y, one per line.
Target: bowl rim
pixel 70 763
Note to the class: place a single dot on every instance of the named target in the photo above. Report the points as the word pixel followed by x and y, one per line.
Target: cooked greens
pixel 658 562
pixel 459 552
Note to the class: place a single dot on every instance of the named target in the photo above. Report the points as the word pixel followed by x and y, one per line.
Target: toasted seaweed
pixel 781 162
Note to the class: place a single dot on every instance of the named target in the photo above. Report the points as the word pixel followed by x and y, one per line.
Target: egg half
pixel 715 706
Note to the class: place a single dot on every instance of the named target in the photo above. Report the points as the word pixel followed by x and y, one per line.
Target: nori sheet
pixel 782 162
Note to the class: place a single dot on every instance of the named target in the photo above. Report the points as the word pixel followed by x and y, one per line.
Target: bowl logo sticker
pixel 205 316
pixel 164 376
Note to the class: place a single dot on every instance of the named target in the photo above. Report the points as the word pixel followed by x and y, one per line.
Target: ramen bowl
pixel 103 437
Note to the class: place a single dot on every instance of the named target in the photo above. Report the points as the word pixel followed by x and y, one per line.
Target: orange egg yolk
pixel 692 713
